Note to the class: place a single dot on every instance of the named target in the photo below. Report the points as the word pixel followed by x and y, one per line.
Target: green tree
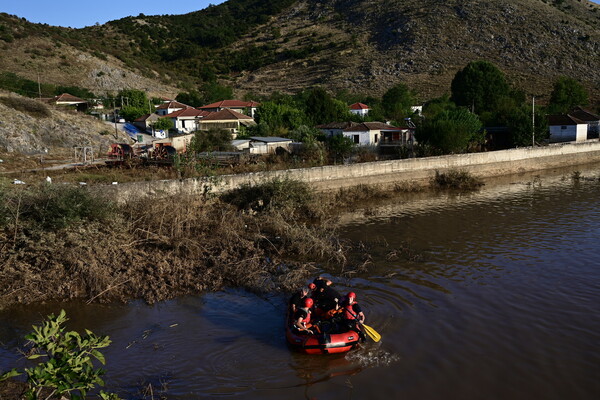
pixel 451 131
pixel 162 124
pixel 339 147
pixel 479 86
pixel 192 98
pixel 211 140
pixel 280 117
pixel 214 91
pixel 69 369
pixel 397 102
pixel 567 93
pixel 134 98
pixel 521 125
pixel 322 108
pixel 130 113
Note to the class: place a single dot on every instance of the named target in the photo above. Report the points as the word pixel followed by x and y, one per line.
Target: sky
pixel 81 13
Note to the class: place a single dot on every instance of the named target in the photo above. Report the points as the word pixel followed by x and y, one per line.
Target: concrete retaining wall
pixel 382 172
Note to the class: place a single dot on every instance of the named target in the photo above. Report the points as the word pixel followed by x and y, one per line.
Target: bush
pixel 457 180
pixel 56 207
pixel 278 193
pixel 29 106
pixel 69 369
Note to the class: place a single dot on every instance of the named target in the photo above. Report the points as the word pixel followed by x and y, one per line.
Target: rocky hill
pixel 361 46
pixel 31 127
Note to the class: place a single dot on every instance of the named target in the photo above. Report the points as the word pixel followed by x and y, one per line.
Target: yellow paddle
pixel 372 333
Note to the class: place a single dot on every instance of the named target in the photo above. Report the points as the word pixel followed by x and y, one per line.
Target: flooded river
pixel 491 295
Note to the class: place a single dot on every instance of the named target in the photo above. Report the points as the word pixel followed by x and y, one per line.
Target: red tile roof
pixel 232 103
pixel 172 104
pixel 359 106
pixel 372 126
pixel 68 98
pixel 226 114
pixel 189 112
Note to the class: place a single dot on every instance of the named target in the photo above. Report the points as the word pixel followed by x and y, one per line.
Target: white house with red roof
pixel 226 119
pixel 187 120
pixel 170 107
pixel 359 109
pixel 68 100
pixel 372 133
pixel 242 107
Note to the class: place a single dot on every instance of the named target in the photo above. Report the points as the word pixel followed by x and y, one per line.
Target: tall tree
pixel 566 94
pixel 133 98
pixel 479 86
pixel 451 131
pixel 397 102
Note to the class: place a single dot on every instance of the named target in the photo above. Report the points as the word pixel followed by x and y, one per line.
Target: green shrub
pixel 455 179
pixel 278 193
pixel 56 207
pixel 69 370
pixel 29 106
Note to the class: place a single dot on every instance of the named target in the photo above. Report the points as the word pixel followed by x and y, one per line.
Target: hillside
pixel 361 46
pixel 29 127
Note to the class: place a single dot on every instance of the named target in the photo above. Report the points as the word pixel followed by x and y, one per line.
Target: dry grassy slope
pixel 22 133
pixel 35 56
pixel 424 42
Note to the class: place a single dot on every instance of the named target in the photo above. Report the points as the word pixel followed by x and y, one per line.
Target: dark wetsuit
pixel 298 300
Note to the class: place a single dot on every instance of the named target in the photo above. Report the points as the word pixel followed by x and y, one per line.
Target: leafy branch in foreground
pixel 69 369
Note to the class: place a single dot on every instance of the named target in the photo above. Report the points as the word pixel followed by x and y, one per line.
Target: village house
pixel 592 121
pixel 226 119
pixel 187 120
pixel 243 107
pixel 269 144
pixel 335 128
pixel 359 109
pixel 566 128
pixel 170 107
pixel 144 123
pixel 68 100
pixel 374 133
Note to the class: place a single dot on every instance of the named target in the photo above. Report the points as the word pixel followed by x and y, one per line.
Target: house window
pixel 376 137
pixel 563 127
pixel 356 139
pixel 183 123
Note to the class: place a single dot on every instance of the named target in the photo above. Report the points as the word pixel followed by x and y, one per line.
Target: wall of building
pixel 383 172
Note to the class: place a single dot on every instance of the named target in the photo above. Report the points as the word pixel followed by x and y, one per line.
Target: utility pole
pixel 533 122
pixel 39 86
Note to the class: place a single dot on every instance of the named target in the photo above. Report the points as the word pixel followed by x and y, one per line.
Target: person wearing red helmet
pixel 351 311
pixel 303 316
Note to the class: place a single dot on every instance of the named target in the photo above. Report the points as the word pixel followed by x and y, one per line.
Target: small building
pixel 269 144
pixel 360 109
pixel 179 142
pixel 187 120
pixel 372 133
pixel 335 128
pixel 69 100
pixel 225 119
pixel 592 120
pixel 243 107
pixel 565 128
pixel 145 122
pixel 170 107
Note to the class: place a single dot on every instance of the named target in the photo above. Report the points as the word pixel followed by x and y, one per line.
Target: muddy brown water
pixel 497 298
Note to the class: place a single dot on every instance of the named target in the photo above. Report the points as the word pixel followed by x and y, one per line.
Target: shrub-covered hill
pixel 355 45
pixel 28 126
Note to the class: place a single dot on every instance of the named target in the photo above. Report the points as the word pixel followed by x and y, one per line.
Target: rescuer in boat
pixel 297 299
pixel 303 316
pixel 352 313
pixel 327 298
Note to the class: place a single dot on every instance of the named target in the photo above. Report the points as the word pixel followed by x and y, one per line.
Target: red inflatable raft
pixel 333 340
